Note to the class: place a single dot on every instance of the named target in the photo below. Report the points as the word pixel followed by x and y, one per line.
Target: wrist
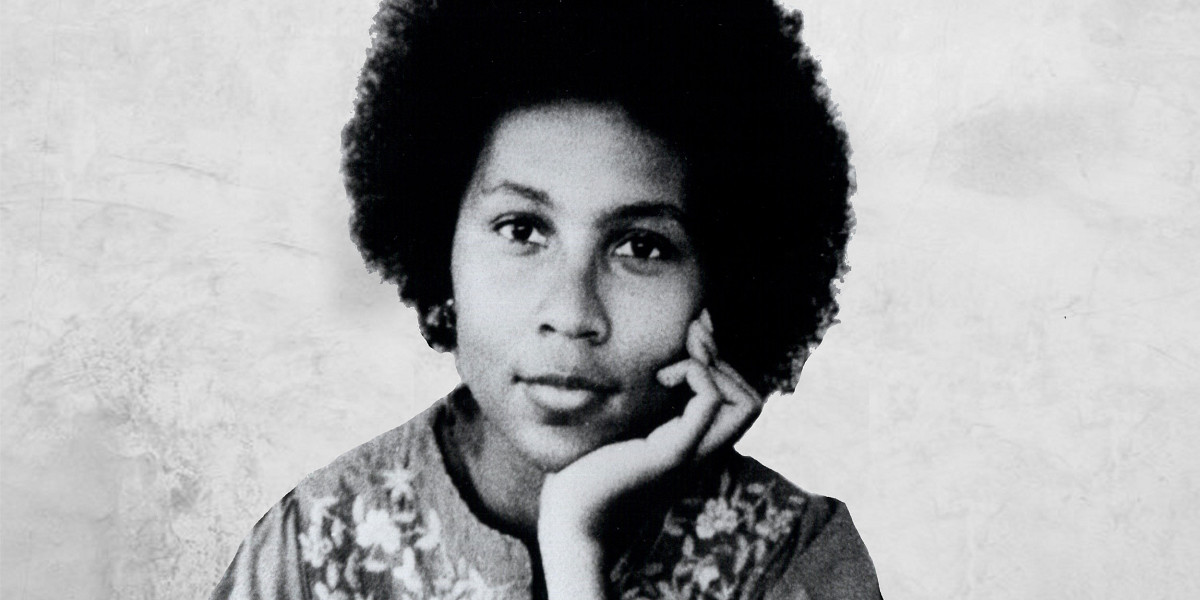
pixel 573 564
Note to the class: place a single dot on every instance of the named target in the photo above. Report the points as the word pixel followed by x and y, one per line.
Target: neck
pixel 499 483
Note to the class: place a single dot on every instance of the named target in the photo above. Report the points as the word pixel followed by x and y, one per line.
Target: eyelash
pixel 665 249
pixel 507 227
pixel 529 227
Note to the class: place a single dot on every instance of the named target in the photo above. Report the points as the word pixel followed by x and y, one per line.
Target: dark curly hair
pixel 727 83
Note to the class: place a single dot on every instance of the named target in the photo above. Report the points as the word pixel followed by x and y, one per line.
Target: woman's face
pixel 574 280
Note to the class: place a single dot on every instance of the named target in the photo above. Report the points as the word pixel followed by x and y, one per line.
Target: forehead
pixel 581 152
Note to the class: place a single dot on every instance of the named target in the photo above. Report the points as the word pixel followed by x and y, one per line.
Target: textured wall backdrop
pixel 1009 406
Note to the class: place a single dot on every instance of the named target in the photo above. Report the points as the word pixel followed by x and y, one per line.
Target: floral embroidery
pixel 717 517
pixel 366 544
pixel 374 535
pixel 377 529
pixel 715 547
pixel 314 547
pixel 398 482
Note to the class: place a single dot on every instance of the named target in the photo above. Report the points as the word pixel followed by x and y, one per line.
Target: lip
pixel 570 382
pixel 565 398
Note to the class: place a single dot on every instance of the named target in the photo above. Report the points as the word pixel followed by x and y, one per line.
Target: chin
pixel 553 453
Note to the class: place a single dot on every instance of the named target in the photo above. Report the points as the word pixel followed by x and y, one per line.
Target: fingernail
pixel 668 378
pixel 706 319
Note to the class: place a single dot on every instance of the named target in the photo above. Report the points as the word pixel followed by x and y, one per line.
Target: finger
pixel 704 338
pixel 697 345
pixel 737 413
pixel 739 403
pixel 731 385
pixel 677 440
pixel 673 375
pixel 728 370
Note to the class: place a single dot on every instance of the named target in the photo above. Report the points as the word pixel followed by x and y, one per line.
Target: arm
pixel 575 501
pixel 833 565
pixel 267 564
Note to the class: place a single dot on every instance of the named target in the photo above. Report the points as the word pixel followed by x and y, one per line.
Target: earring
pixel 438 325
pixel 447 315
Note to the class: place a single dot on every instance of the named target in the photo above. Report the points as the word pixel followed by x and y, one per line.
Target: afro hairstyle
pixel 727 83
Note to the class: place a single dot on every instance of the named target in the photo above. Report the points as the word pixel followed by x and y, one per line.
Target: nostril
pixel 573 307
pixel 590 329
pixel 587 323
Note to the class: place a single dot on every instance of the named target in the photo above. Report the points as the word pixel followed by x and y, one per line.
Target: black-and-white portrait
pixel 599 299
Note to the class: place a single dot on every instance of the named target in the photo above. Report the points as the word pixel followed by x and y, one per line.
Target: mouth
pixel 569 382
pixel 563 398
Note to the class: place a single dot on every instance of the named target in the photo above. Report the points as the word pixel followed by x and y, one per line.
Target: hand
pixel 576 500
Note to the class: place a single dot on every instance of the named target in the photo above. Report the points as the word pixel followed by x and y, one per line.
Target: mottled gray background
pixel 1009 406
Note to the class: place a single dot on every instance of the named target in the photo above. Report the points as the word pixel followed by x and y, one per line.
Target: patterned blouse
pixel 386 522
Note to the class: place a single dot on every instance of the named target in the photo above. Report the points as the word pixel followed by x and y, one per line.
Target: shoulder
pixel 363 503
pixel 742 530
pixel 740 495
pixel 823 555
pixel 394 458
pixel 805 516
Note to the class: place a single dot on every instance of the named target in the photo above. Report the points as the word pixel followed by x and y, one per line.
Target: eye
pixel 521 230
pixel 644 245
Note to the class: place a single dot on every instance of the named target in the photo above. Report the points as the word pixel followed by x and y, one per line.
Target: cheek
pixel 482 292
pixel 480 315
pixel 653 323
pixel 654 335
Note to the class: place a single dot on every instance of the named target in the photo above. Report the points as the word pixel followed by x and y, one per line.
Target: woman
pixel 624 219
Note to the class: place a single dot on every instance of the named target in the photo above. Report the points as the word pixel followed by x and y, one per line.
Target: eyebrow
pixel 529 193
pixel 645 209
pixel 648 210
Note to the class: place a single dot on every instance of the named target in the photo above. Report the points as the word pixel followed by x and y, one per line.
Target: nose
pixel 572 305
